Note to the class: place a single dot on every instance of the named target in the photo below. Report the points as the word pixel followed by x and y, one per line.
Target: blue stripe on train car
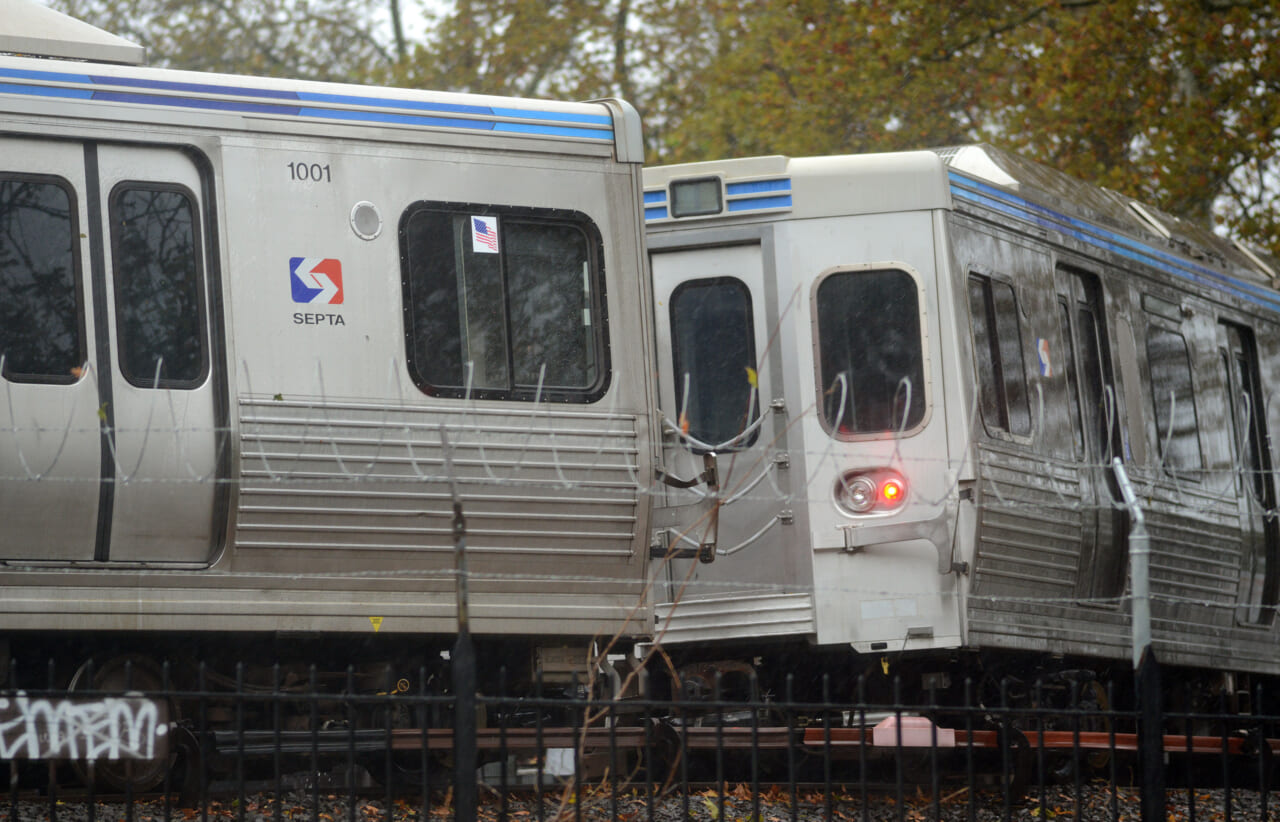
pixel 1116 243
pixel 759 203
pixel 549 123
pixel 758 187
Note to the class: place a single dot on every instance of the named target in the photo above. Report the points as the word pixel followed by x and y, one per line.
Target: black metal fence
pixel 235 747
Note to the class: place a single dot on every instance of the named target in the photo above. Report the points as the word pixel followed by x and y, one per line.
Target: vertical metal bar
pixel 424 720
pixel 650 784
pixel 1264 753
pixel 315 745
pixel 276 764
pixel 128 767
pixel 684 714
pixel 862 747
pixel 15 778
pixel 53 765
pixel 579 727
pixel 935 777
pixel 388 742
pixel 971 781
pixel 1113 758
pixel 1190 770
pixel 898 752
pixel 792 741
pixel 1040 750
pixel 202 713
pixel 349 698
pixel 1223 708
pixel 239 697
pixel 1006 738
pixel 463 660
pixel 170 700
pixel 614 767
pixel 754 684
pixel 503 786
pixel 718 694
pixel 826 747
pixel 1151 724
pixel 538 748
pixel 1077 760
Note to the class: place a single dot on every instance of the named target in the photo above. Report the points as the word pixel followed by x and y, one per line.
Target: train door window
pixel 41 316
pixel 1073 386
pixel 503 303
pixel 870 351
pixel 1260 555
pixel 1174 402
pixel 158 286
pixel 714 354
pixel 997 341
pixel 1073 382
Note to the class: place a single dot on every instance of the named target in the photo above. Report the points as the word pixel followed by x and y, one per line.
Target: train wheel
pixel 128 672
pixel 1067 767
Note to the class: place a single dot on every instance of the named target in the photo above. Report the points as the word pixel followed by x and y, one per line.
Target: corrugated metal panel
pixel 1029 527
pixel 740 617
pixel 354 477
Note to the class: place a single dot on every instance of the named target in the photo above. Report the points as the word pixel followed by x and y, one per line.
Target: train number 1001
pixel 310 172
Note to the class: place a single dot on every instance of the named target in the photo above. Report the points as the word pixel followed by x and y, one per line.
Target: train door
pixel 50 448
pixel 162 389
pixel 109 402
pixel 1095 424
pixel 1255 485
pixel 710 338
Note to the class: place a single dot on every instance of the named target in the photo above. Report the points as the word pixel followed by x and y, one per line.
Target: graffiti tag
pixel 111 728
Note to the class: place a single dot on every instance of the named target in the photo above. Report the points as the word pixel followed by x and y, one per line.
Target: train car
pixel 907 377
pixel 272 350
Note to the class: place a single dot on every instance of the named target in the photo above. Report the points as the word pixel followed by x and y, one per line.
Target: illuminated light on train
pixel 867 492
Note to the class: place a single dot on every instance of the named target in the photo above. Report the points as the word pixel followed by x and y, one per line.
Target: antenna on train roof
pixel 32 30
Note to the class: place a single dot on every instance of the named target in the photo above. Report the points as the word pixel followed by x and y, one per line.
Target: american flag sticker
pixel 484 235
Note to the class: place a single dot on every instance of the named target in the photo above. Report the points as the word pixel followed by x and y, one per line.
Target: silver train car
pixel 911 374
pixel 258 337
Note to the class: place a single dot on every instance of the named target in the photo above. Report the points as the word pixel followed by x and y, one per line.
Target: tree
pixel 522 48
pixel 1173 103
pixel 309 39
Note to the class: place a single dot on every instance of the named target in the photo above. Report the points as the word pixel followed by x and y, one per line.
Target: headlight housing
pixel 870 492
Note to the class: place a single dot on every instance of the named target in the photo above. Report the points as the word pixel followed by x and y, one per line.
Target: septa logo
pixel 316 280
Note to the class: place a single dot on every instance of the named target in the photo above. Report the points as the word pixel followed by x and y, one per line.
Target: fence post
pixel 1146 667
pixel 463 664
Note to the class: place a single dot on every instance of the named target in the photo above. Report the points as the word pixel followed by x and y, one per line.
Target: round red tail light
pixel 892 492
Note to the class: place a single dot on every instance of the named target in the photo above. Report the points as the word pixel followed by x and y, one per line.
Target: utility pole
pixel 1145 666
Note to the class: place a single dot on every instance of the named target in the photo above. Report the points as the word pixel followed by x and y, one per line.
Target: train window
pixel 997 340
pixel 159 297
pixel 503 302
pixel 41 324
pixel 714 353
pixel 871 352
pixel 1172 395
pixel 1073 382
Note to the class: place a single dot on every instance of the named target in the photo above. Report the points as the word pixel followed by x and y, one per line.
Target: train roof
pixel 38 31
pixel 1032 181
pixel 805 187
pixel 132 96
